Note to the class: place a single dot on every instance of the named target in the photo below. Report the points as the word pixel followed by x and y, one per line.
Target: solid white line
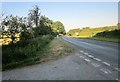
pixel 97 59
pixel 87 60
pixel 106 63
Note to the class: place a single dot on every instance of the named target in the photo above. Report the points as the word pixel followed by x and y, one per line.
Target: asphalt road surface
pixel 105 51
pixel 93 60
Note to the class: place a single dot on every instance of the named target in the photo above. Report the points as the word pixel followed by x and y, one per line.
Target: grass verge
pixel 117 40
pixel 112 36
pixel 58 48
pixel 55 49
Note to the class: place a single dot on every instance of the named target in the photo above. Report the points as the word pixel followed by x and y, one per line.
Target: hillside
pixel 90 32
pixel 113 36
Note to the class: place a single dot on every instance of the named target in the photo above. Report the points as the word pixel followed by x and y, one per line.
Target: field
pixel 90 32
pixel 108 33
pixel 113 36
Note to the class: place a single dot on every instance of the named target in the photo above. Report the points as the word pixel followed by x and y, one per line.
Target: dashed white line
pixel 86 53
pixel 96 59
pixel 81 51
pixel 106 71
pixel 81 56
pixel 95 64
pixel 106 63
pixel 116 79
pixel 117 69
pixel 87 60
pixel 90 56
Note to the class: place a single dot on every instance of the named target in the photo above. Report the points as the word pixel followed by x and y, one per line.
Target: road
pixel 105 51
pixel 93 60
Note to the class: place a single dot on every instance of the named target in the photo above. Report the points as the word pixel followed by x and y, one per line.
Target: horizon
pixel 72 15
pixel 92 27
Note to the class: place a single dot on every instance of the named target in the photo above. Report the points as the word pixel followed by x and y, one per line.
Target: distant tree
pixel 73 31
pixel 45 25
pixel 58 27
pixel 106 29
pixel 118 25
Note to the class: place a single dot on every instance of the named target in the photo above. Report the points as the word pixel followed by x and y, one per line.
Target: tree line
pixel 30 27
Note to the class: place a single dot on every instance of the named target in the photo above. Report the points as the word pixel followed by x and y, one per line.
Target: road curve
pixel 106 51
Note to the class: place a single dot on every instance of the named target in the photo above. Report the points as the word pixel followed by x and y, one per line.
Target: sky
pixel 71 14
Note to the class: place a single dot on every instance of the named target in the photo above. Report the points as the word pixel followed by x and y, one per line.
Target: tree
pixel 58 27
pixel 45 25
pixel 33 20
pixel 10 27
pixel 34 15
pixel 118 25
pixel 73 31
pixel 46 21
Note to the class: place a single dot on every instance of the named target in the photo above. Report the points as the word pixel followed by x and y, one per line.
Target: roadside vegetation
pixel 25 39
pixel 107 33
pixel 17 55
pixel 113 36
pixel 33 53
pixel 57 48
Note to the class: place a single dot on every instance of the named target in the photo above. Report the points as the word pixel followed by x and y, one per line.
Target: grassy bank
pixel 58 48
pixel 106 39
pixel 90 32
pixel 112 36
pixel 50 50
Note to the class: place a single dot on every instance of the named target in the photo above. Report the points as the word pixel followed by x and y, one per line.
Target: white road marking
pixel 116 79
pixel 95 64
pixel 82 57
pixel 87 60
pixel 106 71
pixel 106 63
pixel 116 69
pixel 96 59
pixel 81 51
pixel 86 54
pixel 90 56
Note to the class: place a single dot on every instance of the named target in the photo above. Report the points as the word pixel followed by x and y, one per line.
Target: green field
pixel 107 33
pixel 90 32
pixel 113 36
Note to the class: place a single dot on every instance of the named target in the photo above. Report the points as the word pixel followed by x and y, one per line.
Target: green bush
pixel 18 53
